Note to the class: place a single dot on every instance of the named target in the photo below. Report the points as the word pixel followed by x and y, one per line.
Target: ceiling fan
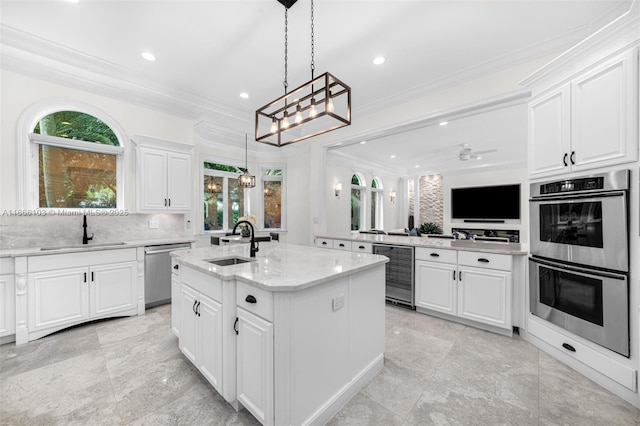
pixel 466 153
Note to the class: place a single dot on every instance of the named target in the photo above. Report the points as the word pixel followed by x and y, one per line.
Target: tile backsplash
pixel 51 230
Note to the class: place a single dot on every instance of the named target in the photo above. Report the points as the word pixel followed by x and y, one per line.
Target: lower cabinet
pixel 471 285
pixel 7 299
pixel 255 365
pixel 201 333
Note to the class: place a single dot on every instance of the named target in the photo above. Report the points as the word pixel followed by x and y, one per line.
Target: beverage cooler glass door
pixel 591 304
pixel 585 230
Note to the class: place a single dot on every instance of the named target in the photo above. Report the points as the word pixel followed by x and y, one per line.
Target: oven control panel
pixel 573 185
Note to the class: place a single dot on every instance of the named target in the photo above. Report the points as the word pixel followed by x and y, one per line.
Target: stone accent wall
pixel 412 196
pixel 431 200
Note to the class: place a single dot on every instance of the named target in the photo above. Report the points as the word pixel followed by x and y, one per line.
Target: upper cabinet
pixel 163 176
pixel 587 122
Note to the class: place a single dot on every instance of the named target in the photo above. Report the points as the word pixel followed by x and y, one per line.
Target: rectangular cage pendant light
pixel 318 106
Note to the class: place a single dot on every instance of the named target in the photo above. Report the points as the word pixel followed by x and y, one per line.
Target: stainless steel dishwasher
pixel 157 273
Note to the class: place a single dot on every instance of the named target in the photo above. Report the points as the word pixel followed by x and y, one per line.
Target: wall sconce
pixel 338 190
pixel 392 196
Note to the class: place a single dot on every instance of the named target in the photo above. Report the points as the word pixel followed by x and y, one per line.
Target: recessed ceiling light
pixel 444 123
pixel 73 1
pixel 393 156
pixel 244 95
pixel 417 165
pixel 379 60
pixel 148 56
pixel 363 142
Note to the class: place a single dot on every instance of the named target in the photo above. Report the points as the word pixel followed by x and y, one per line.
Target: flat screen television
pixel 490 203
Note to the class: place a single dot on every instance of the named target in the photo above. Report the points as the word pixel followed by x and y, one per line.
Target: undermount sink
pixel 228 261
pixel 77 246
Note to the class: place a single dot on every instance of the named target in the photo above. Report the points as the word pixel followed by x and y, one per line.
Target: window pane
pixel 355 209
pixel 76 179
pixel 273 172
pixel 213 203
pixel 223 167
pixel 236 201
pixel 355 180
pixel 374 200
pixel 272 204
pixel 78 126
pixel 374 184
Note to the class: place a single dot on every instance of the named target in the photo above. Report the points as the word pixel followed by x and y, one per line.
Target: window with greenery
pixel 376 203
pixel 357 201
pixel 272 198
pixel 224 199
pixel 78 161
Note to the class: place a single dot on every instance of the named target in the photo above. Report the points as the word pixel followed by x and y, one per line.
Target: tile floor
pixel 129 371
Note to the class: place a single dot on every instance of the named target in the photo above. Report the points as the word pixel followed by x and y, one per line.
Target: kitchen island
pixel 291 334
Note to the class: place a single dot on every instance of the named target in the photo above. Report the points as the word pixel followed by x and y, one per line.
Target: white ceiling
pixel 210 51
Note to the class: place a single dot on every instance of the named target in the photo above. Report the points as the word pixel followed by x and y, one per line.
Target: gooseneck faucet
pixel 85 238
pixel 254 246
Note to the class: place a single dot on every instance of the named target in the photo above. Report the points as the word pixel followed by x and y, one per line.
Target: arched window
pixel 71 158
pixel 358 198
pixel 376 203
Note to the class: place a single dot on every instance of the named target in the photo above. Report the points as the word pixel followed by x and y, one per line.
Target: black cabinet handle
pixel 573 157
pixel 568 347
pixel 85 277
pixel 235 328
pixel 198 309
pixel 92 276
pixel 361 247
pixel 324 243
pixel 483 260
pixel 165 200
pixel 341 245
pixel 193 308
pixel 460 276
pixel 176 267
pixel 564 159
pixel 250 299
pixel 454 275
pixel 434 255
pixel 169 202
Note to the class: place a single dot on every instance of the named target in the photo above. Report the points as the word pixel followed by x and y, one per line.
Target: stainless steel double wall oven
pixel 579 262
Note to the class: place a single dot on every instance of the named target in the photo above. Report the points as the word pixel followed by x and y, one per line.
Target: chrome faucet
pixel 85 238
pixel 254 246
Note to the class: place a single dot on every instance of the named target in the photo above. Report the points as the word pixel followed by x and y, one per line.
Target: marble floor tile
pixel 362 410
pixel 127 327
pixel 163 310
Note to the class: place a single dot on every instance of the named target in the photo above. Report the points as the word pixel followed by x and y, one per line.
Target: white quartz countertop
pixel 92 246
pixel 428 242
pixel 280 267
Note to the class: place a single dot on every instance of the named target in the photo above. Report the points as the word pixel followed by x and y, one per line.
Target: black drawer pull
pixel 434 255
pixel 483 260
pixel 341 245
pixel 361 247
pixel 568 347
pixel 324 243
pixel 250 299
pixel 176 267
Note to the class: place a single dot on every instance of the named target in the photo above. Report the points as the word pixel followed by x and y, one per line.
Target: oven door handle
pixel 593 196
pixel 584 271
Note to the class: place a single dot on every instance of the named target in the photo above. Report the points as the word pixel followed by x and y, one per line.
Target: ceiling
pixel 208 52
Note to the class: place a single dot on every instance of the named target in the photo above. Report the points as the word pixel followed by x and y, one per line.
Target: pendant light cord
pixel 246 163
pixel 313 64
pixel 286 46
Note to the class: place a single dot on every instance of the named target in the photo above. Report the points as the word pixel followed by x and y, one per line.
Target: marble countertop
pixel 280 267
pixel 429 242
pixel 92 246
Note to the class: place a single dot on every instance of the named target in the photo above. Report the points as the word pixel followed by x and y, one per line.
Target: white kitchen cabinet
pixel 255 383
pixel 7 298
pixel 201 334
pixel 473 286
pixel 323 242
pixel 587 122
pixel 62 290
pixel 164 180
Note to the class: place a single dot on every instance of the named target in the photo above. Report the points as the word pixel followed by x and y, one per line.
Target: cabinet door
pixel 176 303
pixel 188 323
pixel 58 298
pixel 436 287
pixel 550 133
pixel 113 289
pixel 604 114
pixel 152 179
pixel 8 304
pixel 178 181
pixel 255 366
pixel 484 295
pixel 209 340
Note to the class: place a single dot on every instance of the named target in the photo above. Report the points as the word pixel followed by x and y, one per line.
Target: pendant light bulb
pixel 285 120
pixel 313 111
pixel 274 125
pixel 298 115
pixel 330 103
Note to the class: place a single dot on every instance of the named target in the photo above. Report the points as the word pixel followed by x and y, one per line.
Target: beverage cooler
pixel 399 273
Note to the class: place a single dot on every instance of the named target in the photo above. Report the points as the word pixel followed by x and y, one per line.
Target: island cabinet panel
pixel 175 297
pixel 255 366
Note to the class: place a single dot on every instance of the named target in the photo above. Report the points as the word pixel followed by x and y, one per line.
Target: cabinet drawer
pixel 361 247
pixel 342 245
pixel 324 242
pixel 204 283
pixel 436 255
pixel 73 260
pixel 255 300
pixel 485 260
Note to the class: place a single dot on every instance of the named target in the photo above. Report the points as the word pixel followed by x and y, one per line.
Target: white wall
pixel 19 92
pixel 495 177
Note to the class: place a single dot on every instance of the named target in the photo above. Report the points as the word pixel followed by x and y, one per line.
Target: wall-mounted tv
pixel 490 203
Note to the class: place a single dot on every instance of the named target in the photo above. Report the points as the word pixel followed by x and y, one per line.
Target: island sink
pixel 228 261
